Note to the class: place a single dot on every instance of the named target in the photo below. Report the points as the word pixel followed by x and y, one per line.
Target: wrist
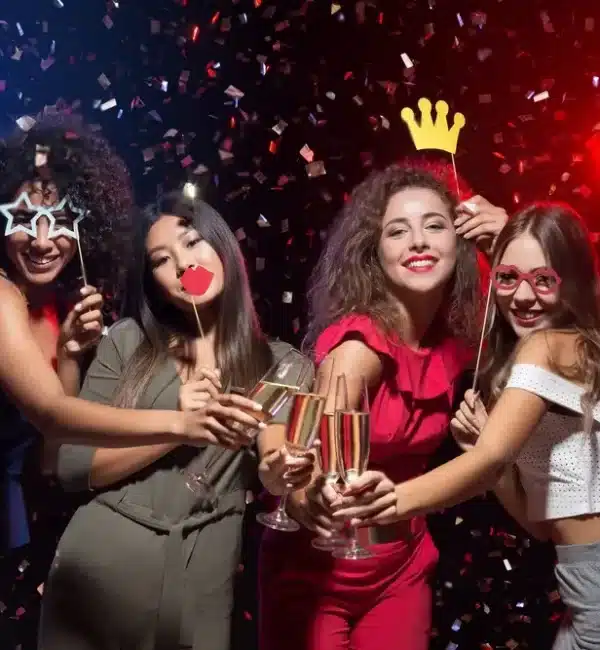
pixel 63 356
pixel 183 428
pixel 401 505
pixel 177 426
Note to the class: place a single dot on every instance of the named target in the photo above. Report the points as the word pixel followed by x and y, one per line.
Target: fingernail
pixel 262 425
pixel 78 307
pixel 83 290
pixel 257 406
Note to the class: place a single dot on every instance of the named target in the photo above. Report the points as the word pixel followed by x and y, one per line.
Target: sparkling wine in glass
pixel 328 456
pixel 301 432
pixel 353 430
pixel 272 391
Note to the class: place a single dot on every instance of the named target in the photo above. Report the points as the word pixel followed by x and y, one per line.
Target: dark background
pixel 334 74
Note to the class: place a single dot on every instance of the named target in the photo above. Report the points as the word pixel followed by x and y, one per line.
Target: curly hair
pixel 565 240
pixel 83 165
pixel 348 277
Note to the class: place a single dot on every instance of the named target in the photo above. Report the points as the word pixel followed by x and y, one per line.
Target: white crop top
pixel 560 464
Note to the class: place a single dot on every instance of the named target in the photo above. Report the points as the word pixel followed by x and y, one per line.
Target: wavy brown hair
pixel 348 277
pixel 565 240
pixel 242 351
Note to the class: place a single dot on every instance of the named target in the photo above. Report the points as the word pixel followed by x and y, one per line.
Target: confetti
pixel 274 112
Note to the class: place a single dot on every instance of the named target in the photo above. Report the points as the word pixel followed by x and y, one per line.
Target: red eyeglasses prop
pixel 543 282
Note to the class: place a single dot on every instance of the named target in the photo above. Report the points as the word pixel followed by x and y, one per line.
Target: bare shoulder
pixel 353 356
pixel 549 349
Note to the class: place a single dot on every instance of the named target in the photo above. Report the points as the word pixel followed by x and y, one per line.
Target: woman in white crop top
pixel 539 449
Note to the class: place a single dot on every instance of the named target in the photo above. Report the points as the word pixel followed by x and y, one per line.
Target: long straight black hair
pixel 242 351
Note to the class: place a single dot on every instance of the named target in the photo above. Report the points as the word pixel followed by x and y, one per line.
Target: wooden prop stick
pixel 198 320
pixel 83 273
pixel 481 340
pixel 456 178
pixel 196 281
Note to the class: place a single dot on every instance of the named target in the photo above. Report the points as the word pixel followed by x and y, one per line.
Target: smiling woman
pixel 49 323
pixel 49 177
pixel 395 299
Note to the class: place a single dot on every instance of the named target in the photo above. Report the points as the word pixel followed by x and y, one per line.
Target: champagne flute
pixel 352 428
pixel 305 416
pixel 328 454
pixel 272 391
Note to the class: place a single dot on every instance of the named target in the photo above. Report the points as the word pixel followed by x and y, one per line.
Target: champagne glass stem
pixel 281 508
pixel 352 539
pixel 279 519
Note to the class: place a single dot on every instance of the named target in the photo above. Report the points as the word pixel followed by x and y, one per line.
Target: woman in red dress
pixel 396 299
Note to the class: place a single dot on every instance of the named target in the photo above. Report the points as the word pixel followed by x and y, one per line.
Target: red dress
pixel 311 601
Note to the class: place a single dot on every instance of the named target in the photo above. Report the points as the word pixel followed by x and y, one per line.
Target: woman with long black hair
pixel 149 563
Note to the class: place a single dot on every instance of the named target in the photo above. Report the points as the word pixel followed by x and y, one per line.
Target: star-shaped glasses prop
pixel 22 216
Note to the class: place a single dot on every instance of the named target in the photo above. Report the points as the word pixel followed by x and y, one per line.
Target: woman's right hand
pixel 204 385
pixel 312 507
pixel 468 421
pixel 227 420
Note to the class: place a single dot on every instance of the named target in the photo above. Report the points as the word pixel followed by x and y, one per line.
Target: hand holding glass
pixel 353 434
pixel 329 457
pixel 272 392
pixel 305 416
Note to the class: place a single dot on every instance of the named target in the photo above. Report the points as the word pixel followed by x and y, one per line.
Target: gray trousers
pixel 578 574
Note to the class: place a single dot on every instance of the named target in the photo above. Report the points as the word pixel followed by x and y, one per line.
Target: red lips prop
pixel 196 280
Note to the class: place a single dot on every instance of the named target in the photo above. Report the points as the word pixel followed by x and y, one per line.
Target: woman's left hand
pixel 481 221
pixel 369 500
pixel 279 472
pixel 82 328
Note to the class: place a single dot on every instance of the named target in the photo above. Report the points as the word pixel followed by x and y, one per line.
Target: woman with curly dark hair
pixel 395 300
pixel 57 158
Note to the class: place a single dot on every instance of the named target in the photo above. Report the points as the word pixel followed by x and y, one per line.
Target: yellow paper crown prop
pixel 428 135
